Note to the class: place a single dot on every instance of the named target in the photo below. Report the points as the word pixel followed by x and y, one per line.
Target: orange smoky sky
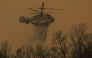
pixel 17 34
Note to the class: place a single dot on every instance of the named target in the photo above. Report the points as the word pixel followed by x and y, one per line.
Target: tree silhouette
pixel 41 51
pixel 88 46
pixel 5 51
pixel 60 40
pixel 29 51
pixel 77 35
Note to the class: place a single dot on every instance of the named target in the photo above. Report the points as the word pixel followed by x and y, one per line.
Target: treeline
pixel 77 43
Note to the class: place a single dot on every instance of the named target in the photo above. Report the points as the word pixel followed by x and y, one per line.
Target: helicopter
pixel 41 12
pixel 22 19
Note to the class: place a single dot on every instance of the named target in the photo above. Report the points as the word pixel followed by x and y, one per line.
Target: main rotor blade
pixel 33 13
pixel 52 12
pixel 51 8
pixel 33 10
pixel 42 8
pixel 42 5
